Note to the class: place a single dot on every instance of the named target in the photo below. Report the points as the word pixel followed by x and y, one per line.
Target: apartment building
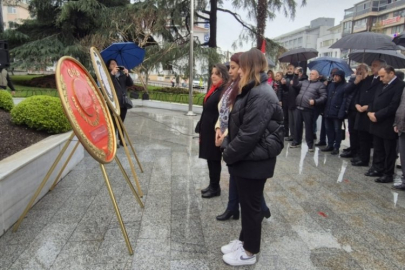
pixel 307 36
pixel 381 16
pixel 14 12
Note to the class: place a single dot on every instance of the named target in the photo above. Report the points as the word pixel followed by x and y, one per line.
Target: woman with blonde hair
pixel 255 138
pixel 225 107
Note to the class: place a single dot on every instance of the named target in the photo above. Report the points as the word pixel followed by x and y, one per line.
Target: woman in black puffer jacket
pixel 255 138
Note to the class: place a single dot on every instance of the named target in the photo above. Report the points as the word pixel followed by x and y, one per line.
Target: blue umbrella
pixel 324 65
pixel 127 54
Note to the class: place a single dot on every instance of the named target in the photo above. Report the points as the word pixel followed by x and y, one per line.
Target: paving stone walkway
pixel 325 213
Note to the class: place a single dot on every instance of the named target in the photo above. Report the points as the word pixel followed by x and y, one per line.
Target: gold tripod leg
pixel 117 210
pixel 41 186
pixel 129 182
pixel 64 165
pixel 131 164
pixel 130 143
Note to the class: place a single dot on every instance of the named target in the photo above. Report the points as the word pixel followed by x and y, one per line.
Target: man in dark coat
pixel 381 113
pixel 367 88
pixel 311 93
pixel 286 85
pixel 399 127
pixel 334 112
pixel 351 92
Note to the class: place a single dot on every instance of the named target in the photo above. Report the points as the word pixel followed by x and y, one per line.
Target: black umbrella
pixel 365 41
pixel 400 39
pixel 393 58
pixel 298 55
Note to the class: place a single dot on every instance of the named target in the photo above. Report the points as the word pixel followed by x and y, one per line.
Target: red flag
pixel 263 49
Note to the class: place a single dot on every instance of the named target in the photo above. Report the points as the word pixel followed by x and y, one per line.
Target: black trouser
pixel 354 137
pixel 401 149
pixel 307 117
pixel 334 131
pixel 250 197
pixel 385 155
pixel 214 169
pixel 365 143
pixel 286 127
pixel 322 134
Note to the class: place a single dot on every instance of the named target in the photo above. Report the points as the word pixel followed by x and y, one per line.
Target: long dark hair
pixel 109 62
pixel 235 83
pixel 223 72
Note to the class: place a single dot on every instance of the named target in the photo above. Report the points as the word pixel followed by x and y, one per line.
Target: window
pixel 400 13
pixel 11 10
pixel 397 29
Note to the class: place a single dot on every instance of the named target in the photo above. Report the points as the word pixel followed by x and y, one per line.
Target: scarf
pixel 213 88
pixel 225 109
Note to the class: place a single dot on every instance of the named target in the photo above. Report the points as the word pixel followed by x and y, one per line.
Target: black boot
pixel 228 214
pixel 205 190
pixel 212 193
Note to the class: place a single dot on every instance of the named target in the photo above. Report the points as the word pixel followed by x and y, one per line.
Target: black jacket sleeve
pixel 255 119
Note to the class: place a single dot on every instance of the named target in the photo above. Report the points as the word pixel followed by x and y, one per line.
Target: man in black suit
pixel 381 113
pixel 367 87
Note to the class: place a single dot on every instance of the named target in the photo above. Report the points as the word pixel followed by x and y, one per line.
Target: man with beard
pixel 351 92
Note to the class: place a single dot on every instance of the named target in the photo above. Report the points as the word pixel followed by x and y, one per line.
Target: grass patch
pixel 177 98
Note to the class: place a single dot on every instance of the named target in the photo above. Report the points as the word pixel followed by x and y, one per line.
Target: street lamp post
pixel 191 62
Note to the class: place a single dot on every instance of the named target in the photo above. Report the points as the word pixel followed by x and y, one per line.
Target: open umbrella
pixel 325 64
pixel 393 58
pixel 298 55
pixel 127 54
pixel 400 39
pixel 365 41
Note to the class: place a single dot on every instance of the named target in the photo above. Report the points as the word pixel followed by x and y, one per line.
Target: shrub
pixel 175 90
pixel 6 100
pixel 41 113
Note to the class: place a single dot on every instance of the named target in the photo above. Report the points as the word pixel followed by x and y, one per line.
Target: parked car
pixel 196 84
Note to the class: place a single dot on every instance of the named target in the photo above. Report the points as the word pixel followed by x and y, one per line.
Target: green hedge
pixel 178 98
pixel 41 113
pixel 6 100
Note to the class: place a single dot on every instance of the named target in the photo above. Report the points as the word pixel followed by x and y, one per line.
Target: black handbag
pixel 128 102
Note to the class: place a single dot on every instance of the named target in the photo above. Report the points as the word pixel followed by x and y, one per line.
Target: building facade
pixel 381 16
pixel 307 36
pixel 326 39
pixel 14 12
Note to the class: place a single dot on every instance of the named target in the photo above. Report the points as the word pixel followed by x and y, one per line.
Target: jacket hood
pixel 340 73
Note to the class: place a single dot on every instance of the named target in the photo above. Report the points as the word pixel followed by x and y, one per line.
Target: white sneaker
pixel 239 257
pixel 231 247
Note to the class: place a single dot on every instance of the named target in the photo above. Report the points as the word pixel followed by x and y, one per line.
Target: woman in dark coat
pixel 255 138
pixel 206 128
pixel 121 80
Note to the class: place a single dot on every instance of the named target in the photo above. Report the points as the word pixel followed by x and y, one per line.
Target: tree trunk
pixel 212 43
pixel 261 21
pixel 1 17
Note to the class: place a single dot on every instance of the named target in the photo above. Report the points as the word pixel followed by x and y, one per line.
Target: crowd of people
pixel 248 113
pixel 370 101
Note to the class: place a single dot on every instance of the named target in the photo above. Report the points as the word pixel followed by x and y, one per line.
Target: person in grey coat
pixel 399 128
pixel 311 93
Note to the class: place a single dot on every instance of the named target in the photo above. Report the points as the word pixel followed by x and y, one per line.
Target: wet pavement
pixel 325 213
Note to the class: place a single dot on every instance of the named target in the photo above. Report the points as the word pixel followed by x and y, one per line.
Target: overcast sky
pixel 229 28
